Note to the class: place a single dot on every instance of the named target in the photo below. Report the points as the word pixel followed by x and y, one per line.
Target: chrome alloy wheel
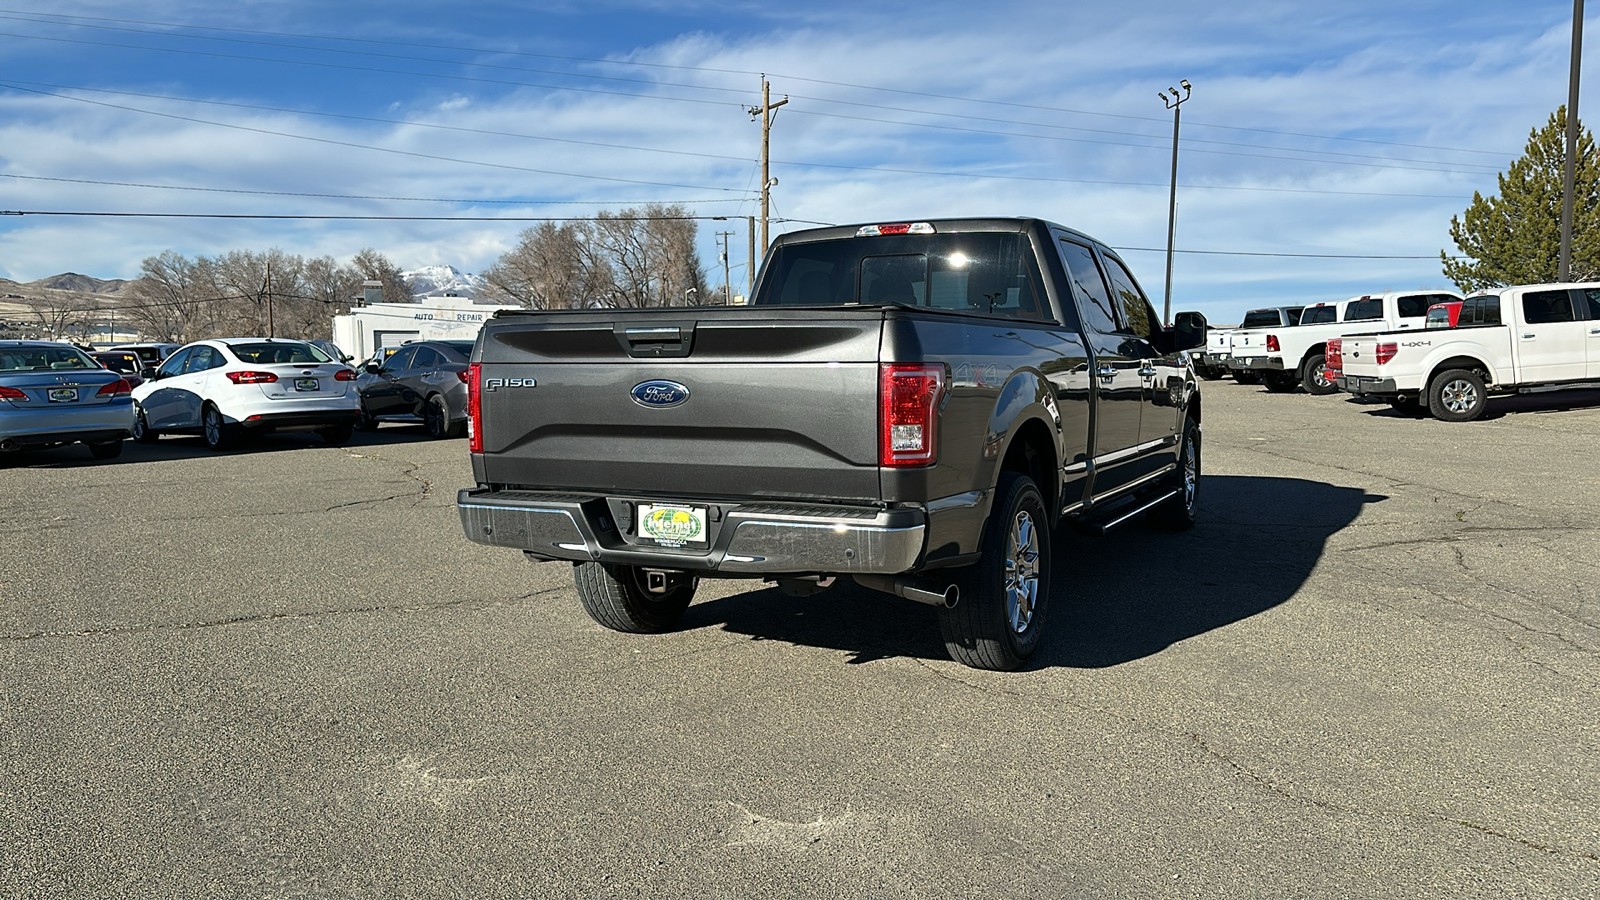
pixel 1022 572
pixel 1191 473
pixel 1459 395
pixel 211 421
pixel 1320 376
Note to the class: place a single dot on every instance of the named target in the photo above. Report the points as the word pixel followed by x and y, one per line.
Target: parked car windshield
pixel 279 352
pixel 29 359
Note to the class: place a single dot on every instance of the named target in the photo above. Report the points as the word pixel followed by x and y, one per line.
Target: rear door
pixel 1589 297
pixel 1552 341
pixel 731 402
pixel 1118 386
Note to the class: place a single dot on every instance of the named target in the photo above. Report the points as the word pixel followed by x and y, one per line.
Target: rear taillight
pixel 908 398
pixel 115 389
pixel 11 393
pixel 472 376
pixel 1335 352
pixel 1386 352
pixel 1272 343
pixel 252 377
pixel 345 375
pixel 465 379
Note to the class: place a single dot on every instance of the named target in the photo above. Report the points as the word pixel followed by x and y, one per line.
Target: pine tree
pixel 1515 238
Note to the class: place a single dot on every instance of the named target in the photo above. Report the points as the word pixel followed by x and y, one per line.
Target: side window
pixel 401 359
pixel 1135 312
pixel 1415 306
pixel 1592 296
pixel 1091 285
pixel 427 358
pixel 1541 307
pixel 174 363
pixel 199 360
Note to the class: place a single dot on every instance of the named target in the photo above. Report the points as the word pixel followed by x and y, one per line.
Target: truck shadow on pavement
pixel 1499 407
pixel 1118 597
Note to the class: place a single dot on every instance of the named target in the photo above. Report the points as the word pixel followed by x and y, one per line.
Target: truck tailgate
pixel 746 402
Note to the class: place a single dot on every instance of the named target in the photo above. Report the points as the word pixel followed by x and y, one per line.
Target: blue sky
pixel 1323 150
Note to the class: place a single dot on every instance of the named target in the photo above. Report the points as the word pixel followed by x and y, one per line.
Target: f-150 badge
pixel 659 394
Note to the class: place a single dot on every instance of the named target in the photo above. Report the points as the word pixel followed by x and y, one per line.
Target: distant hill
pixel 83 284
pixel 430 281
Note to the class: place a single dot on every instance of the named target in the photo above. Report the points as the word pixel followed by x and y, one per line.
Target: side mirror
pixel 373 368
pixel 148 373
pixel 1189 330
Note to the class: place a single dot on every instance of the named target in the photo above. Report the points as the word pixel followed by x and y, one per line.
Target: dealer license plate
pixel 63 395
pixel 673 525
pixel 306 384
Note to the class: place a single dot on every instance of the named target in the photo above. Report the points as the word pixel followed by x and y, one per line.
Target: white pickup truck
pixel 1295 357
pixel 1539 337
pixel 1212 363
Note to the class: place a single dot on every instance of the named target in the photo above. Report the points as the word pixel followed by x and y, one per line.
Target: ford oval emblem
pixel 660 394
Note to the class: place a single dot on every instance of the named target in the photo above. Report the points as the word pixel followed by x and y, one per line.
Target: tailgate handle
pixel 656 341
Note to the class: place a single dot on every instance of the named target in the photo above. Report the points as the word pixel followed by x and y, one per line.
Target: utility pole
pixel 1569 171
pixel 750 273
pixel 727 282
pixel 765 111
pixel 1174 103
pixel 269 299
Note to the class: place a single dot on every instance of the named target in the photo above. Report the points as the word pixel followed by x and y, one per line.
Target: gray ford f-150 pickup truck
pixel 917 405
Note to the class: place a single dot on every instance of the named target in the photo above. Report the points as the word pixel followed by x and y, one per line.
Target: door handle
pixel 1527 336
pixel 1147 372
pixel 1107 373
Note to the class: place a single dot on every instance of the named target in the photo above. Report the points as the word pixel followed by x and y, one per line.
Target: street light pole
pixel 1569 169
pixel 1171 99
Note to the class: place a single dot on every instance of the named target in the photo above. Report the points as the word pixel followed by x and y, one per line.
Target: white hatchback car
pixel 220 388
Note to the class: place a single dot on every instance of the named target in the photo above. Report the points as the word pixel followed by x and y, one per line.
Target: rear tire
pixel 999 620
pixel 218 434
pixel 1177 514
pixel 1314 376
pixel 1280 382
pixel 615 596
pixel 142 432
pixel 1457 395
pixel 106 450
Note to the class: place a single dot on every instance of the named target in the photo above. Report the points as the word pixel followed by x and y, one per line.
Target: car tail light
pixel 345 375
pixel 115 388
pixel 1386 352
pixel 1333 358
pixel 473 377
pixel 11 393
pixel 252 377
pixel 465 378
pixel 1272 343
pixel 908 397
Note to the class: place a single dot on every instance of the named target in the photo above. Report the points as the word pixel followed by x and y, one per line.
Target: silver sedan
pixel 52 394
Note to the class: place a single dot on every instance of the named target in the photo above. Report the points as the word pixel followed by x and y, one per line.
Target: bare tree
pixel 375 266
pixel 59 314
pixel 172 299
pixel 544 271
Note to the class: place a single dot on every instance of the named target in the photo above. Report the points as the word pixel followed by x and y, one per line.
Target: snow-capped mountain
pixel 433 281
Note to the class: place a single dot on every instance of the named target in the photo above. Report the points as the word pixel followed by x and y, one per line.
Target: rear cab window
pixel 1320 314
pixel 1261 318
pixel 988 273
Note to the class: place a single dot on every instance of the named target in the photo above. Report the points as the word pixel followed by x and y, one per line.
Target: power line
pixel 350 218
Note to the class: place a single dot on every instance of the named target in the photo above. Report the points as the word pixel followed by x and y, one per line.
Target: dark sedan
pixel 423 381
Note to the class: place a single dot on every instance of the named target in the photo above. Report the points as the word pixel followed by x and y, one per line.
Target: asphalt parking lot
pixel 1370 671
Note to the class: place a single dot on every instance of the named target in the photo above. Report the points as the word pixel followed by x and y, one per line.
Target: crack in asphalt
pixel 407 469
pixel 151 627
pixel 1278 791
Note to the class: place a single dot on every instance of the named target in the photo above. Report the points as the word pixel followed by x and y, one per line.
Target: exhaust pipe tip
pixel 929 593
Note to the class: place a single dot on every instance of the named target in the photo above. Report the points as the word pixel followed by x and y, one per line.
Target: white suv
pixel 219 388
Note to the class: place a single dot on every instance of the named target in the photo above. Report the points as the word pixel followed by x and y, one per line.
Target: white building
pixel 375 325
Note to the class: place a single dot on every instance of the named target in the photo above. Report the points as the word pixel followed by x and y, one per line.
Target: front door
pixel 1114 370
pixel 1552 341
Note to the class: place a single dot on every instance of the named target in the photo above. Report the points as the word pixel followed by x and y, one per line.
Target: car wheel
pixel 619 597
pixel 436 417
pixel 1314 376
pixel 338 434
pixel 106 450
pixel 366 422
pixel 1457 395
pixel 219 435
pixel 1280 382
pixel 997 622
pixel 1177 513
pixel 142 432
